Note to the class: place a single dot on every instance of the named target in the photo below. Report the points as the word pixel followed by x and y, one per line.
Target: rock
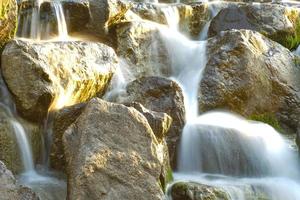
pixel 272 20
pixel 104 13
pixel 140 45
pixel 62 120
pixel 54 75
pixel 251 75
pixel 9 189
pixel 9 148
pixel 112 153
pixel 159 122
pixel 8 20
pixel 197 191
pixel 161 95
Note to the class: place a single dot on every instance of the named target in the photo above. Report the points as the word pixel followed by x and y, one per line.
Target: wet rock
pixel 9 148
pixel 251 75
pixel 55 74
pixel 112 153
pixel 141 47
pixel 275 21
pixel 161 95
pixel 9 188
pixel 8 20
pixel 197 191
pixel 62 120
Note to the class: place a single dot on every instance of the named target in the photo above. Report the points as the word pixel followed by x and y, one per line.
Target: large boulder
pixel 8 20
pixel 161 95
pixel 277 22
pixel 140 45
pixel 112 153
pixel 251 75
pixel 55 74
pixel 10 189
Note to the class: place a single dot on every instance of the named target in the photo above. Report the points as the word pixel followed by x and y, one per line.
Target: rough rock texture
pixel 159 122
pixel 251 75
pixel 140 44
pixel 8 20
pixel 112 153
pixel 62 120
pixel 105 13
pixel 196 191
pixel 57 74
pixel 9 189
pixel 272 20
pixel 161 95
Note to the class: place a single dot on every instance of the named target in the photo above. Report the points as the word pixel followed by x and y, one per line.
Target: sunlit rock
pixel 140 45
pixel 280 23
pixel 54 75
pixel 8 20
pixel 161 95
pixel 251 75
pixel 112 153
pixel 10 189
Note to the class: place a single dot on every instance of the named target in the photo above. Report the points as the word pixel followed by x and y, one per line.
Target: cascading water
pixel 35 27
pixel 222 149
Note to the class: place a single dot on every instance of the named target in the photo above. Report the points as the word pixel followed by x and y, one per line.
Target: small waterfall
pixel 24 146
pixel 32 26
pixel 172 16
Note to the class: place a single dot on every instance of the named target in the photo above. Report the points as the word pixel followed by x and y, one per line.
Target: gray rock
pixel 275 21
pixel 55 74
pixel 161 95
pixel 251 75
pixel 9 189
pixel 112 153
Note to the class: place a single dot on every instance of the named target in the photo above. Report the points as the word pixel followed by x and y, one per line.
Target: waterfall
pixel 31 25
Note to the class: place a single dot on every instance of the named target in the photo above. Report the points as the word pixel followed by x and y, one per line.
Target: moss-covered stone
pixel 268 118
pixel 8 20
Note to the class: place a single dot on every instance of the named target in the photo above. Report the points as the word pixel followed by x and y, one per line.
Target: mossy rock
pixel 269 119
pixel 8 20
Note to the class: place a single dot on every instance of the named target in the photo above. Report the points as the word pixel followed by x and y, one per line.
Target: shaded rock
pixel 9 189
pixel 251 75
pixel 62 120
pixel 161 95
pixel 8 20
pixel 140 45
pixel 55 74
pixel 197 191
pixel 159 122
pixel 272 20
pixel 112 153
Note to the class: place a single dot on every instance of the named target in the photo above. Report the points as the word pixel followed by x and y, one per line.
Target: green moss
pixel 268 119
pixel 169 177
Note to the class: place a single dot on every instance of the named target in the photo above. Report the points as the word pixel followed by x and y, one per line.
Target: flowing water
pixel 36 24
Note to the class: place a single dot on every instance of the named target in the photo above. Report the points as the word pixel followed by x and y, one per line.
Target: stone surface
pixel 62 120
pixel 141 47
pixel 251 75
pixel 112 153
pixel 272 20
pixel 55 74
pixel 161 95
pixel 197 191
pixel 9 189
pixel 8 20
